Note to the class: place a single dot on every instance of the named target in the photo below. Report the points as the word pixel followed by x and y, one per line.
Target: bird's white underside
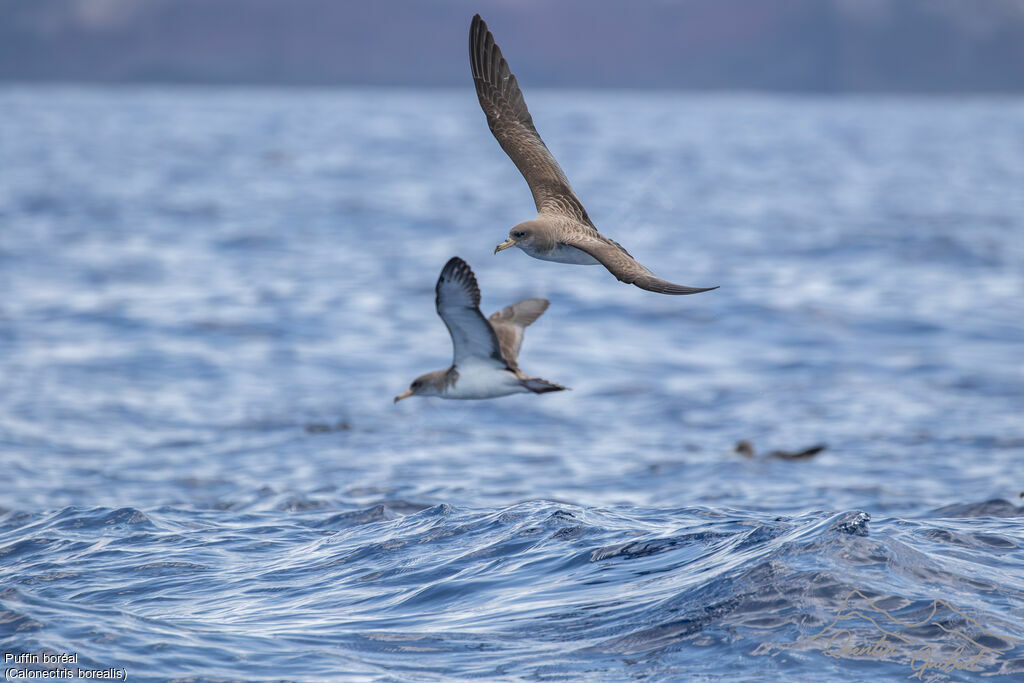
pixel 563 253
pixel 483 379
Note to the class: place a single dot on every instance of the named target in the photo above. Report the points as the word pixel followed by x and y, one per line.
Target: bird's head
pixel 429 384
pixel 527 236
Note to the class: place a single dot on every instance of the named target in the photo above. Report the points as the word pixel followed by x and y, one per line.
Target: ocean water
pixel 210 298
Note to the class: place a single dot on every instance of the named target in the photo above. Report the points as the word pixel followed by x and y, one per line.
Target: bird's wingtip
pixel 674 289
pixel 683 289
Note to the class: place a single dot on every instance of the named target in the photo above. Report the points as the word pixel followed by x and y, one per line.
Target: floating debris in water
pixel 320 428
pixel 746 449
pixel 797 455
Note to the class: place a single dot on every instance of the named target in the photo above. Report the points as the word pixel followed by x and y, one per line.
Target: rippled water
pixel 211 297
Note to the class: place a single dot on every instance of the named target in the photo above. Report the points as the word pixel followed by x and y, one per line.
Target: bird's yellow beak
pixel 407 394
pixel 505 245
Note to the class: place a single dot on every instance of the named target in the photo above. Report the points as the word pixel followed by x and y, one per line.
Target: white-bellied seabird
pixel 562 231
pixel 485 349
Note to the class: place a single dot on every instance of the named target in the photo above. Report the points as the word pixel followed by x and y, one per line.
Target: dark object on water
pixel 320 428
pixel 746 449
pixel 798 455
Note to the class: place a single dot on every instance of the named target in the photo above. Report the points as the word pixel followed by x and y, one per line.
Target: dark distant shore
pixel 820 46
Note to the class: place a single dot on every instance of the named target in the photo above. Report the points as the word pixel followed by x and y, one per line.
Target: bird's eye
pixel 518 233
pixel 416 384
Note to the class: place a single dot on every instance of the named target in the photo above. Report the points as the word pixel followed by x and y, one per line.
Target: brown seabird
pixel 562 231
pixel 485 348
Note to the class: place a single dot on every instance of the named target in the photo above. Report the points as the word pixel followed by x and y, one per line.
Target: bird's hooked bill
pixel 407 394
pixel 505 245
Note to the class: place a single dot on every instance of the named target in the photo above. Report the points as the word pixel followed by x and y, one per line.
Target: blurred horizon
pixel 814 46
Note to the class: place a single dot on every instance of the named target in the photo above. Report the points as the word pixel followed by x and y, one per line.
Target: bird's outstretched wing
pixel 458 304
pixel 626 268
pixel 511 123
pixel 509 323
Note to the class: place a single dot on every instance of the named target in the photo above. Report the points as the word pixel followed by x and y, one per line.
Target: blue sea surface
pixel 211 296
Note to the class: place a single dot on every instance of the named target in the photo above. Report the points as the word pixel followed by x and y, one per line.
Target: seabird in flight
pixel 562 231
pixel 485 348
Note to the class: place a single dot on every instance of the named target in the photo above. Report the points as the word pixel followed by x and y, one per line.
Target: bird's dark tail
pixel 541 386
